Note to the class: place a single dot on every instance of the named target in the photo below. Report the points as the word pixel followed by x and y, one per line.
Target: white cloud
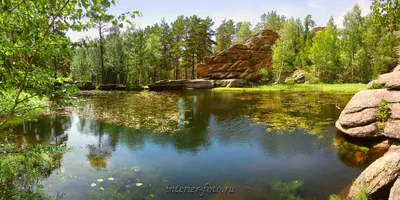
pixel 364 6
pixel 313 4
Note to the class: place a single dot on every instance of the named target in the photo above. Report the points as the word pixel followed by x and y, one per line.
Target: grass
pixel 342 88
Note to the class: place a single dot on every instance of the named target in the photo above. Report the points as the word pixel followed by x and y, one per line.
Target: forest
pixel 358 52
pixel 37 58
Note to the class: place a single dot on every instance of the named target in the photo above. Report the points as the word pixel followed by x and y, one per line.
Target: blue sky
pixel 239 10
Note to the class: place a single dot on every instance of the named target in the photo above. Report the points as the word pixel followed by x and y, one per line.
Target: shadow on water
pixel 134 144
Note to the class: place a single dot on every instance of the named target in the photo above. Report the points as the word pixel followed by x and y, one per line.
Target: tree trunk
pixel 55 66
pixel 101 52
pixel 193 67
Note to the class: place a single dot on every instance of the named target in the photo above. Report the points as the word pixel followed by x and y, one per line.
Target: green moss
pixel 375 86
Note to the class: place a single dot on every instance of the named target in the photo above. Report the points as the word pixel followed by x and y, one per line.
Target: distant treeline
pixel 358 52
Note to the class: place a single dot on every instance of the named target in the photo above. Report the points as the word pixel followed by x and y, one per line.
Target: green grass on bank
pixel 340 88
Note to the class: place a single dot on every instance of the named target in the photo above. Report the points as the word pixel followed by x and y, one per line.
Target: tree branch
pixel 21 85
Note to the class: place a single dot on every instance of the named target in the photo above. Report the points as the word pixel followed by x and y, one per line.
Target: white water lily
pixel 139 184
pixel 101 188
pixel 100 180
pixel 111 179
pixel 93 184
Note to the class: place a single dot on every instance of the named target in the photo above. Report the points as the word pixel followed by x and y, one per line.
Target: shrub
pixel 21 170
pixel 289 80
pixel 264 75
pixel 382 115
pixel 375 86
pixel 383 111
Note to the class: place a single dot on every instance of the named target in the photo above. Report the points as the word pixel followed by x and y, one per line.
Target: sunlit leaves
pixel 33 40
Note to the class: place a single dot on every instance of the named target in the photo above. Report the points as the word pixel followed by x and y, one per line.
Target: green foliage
pixel 264 75
pixel 272 21
pixel 375 85
pixel 224 36
pixel 289 80
pixel 22 168
pixel 383 111
pixel 29 108
pixel 284 51
pixel 34 46
pixel 242 32
pixel 387 13
pixel 382 115
pixel 361 195
pixel 324 54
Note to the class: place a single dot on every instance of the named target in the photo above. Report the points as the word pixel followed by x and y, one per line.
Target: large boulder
pixel 298 76
pixel 237 83
pixel 86 85
pixel 378 177
pixel 181 85
pixel 390 80
pixel 359 117
pixel 395 190
pixel 255 54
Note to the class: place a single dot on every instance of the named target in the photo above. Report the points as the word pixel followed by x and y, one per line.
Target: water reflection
pixel 197 137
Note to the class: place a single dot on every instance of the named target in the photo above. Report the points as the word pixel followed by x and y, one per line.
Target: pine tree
pixel 225 34
pixel 243 31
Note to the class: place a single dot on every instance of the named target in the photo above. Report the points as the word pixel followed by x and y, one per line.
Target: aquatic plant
pixel 351 153
pixel 286 190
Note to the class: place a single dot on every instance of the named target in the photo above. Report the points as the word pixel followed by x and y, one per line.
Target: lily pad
pixel 100 180
pixel 139 184
pixel 111 179
pixel 93 185
pixel 101 188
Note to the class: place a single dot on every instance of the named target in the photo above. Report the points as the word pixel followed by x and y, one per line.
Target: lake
pixel 133 145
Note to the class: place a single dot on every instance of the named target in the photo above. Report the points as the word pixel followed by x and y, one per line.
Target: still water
pixel 132 145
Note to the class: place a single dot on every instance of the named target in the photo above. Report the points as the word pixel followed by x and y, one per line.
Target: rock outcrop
pixel 298 76
pixel 241 61
pixel 181 85
pixel 165 85
pixel 359 117
pixel 379 177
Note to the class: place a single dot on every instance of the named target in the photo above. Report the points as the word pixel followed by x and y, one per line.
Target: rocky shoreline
pixel 375 113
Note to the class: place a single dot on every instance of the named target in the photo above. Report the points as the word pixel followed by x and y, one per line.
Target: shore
pixel 340 88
